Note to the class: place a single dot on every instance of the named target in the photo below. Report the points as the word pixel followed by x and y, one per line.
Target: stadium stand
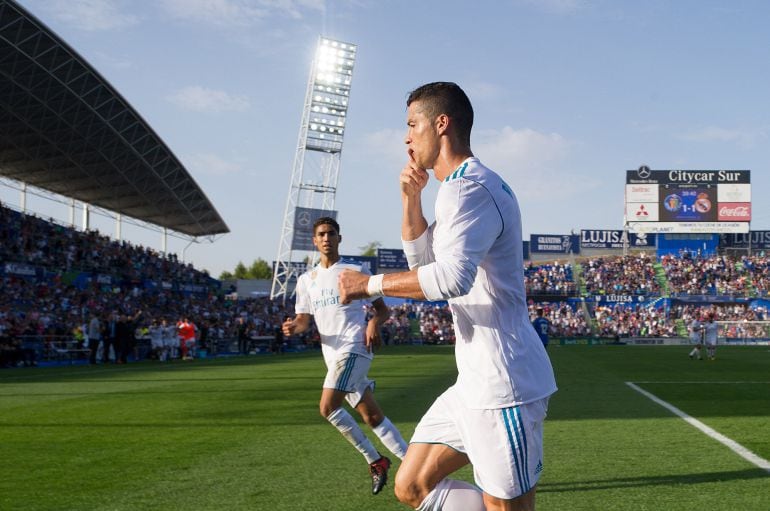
pixel 631 275
pixel 55 278
pixel 65 130
pixel 549 279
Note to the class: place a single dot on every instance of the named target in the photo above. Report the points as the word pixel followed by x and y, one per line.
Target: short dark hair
pixel 326 220
pixel 446 98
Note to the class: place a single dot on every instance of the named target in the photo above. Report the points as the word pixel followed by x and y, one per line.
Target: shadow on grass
pixel 636 482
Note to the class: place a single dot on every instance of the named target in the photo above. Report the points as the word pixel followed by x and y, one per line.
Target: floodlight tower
pixel 315 174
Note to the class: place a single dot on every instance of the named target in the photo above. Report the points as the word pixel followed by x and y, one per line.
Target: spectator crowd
pixel 46 309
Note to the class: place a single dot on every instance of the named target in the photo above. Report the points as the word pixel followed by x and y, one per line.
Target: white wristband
pixel 374 286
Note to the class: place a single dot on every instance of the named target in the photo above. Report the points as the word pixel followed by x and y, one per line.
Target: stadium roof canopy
pixel 64 129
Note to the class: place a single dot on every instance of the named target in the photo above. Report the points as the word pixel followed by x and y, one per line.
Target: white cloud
pixel 519 148
pixel 92 15
pixel 211 164
pixel 558 6
pixel 237 13
pixel 535 164
pixel 481 90
pixel 717 134
pixel 386 145
pixel 112 61
pixel 201 99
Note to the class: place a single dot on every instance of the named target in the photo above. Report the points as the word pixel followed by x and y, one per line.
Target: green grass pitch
pixel 245 434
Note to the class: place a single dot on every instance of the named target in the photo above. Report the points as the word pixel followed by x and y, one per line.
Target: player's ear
pixel 442 123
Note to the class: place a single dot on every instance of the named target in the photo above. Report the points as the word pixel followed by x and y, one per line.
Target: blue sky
pixel 568 94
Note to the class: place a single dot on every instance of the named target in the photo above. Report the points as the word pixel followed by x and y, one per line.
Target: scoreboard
pixel 688 201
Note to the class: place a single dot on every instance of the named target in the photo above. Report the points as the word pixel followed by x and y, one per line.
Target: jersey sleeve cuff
pixel 416 249
pixel 426 276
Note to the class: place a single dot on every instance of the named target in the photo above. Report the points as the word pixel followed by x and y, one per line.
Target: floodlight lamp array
pixel 331 89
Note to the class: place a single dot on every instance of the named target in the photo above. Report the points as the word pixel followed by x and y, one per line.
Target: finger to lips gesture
pixel 413 177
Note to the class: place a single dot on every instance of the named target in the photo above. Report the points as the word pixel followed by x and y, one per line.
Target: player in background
pixel 170 340
pixel 156 339
pixel 347 342
pixel 542 326
pixel 696 337
pixel 492 417
pixel 187 331
pixel 710 334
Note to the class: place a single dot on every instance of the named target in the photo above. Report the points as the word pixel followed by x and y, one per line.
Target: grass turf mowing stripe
pixel 711 433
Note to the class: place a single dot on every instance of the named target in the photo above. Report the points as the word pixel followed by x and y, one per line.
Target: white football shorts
pixel 504 445
pixel 349 373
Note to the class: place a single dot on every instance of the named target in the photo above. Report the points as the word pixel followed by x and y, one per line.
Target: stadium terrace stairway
pixel 580 284
pixel 681 328
pixel 579 280
pixel 660 277
pixel 751 291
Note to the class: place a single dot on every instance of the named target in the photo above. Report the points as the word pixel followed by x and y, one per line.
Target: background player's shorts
pixel 349 373
pixel 505 446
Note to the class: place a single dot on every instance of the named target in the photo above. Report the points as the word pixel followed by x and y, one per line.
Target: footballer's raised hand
pixel 413 177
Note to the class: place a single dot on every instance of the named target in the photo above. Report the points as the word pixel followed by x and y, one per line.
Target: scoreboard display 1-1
pixel 688 201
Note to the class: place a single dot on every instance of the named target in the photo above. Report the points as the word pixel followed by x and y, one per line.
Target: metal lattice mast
pixel 315 173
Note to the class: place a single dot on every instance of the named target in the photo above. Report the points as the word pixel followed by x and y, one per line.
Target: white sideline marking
pixel 711 382
pixel 712 433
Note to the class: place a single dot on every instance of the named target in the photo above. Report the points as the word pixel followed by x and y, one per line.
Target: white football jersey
pixel 342 327
pixel 712 332
pixel 156 335
pixel 695 330
pixel 472 256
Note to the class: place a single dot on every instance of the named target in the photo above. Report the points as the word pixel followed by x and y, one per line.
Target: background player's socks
pixel 391 438
pixel 453 495
pixel 349 428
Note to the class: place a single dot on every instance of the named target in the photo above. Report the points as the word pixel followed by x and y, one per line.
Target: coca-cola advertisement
pixel 734 211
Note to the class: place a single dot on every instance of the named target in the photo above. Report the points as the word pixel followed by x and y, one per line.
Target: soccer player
pixel 156 340
pixel 347 347
pixel 492 417
pixel 187 331
pixel 542 325
pixel 696 337
pixel 710 334
pixel 170 340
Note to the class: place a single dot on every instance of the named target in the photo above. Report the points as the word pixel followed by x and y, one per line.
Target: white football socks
pixel 453 495
pixel 349 428
pixel 391 438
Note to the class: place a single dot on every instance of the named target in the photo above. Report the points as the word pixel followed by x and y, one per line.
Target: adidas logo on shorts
pixel 539 467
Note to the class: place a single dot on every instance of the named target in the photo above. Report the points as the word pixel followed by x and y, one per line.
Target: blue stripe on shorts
pixel 342 383
pixel 515 430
